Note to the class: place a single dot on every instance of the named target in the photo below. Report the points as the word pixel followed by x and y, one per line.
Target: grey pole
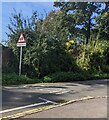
pixel 20 64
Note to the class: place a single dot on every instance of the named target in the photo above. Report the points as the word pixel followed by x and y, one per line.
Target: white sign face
pixel 21 39
pixel 21 44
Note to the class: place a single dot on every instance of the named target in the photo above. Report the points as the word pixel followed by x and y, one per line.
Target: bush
pixel 71 76
pixel 64 77
pixel 98 75
pixel 14 79
pixel 93 56
pixel 105 68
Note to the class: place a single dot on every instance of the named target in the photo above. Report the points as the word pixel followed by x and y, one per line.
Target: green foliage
pixel 64 77
pixel 47 79
pixel 92 56
pixel 46 53
pixel 74 76
pixel 103 23
pixel 98 75
pixel 14 79
pixel 81 14
pixel 105 68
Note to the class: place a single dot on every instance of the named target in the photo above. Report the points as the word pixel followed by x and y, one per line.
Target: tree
pixel 45 51
pixel 83 15
pixel 19 24
pixel 102 26
pixel 48 55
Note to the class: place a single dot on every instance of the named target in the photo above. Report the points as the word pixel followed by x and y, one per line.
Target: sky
pixel 26 8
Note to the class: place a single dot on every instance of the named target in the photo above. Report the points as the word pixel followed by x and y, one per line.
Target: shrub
pixel 93 55
pixel 71 76
pixel 98 75
pixel 14 79
pixel 64 77
pixel 47 79
pixel 105 68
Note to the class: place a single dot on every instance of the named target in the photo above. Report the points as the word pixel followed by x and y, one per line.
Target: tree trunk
pixel 88 30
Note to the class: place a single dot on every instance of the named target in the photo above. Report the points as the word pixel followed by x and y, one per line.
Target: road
pixel 16 99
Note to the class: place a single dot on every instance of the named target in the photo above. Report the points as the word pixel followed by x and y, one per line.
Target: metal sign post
pixel 21 42
pixel 20 63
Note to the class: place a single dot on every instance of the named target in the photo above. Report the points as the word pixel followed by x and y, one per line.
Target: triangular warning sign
pixel 21 39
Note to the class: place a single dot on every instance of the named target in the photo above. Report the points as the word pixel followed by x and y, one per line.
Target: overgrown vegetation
pixel 68 44
pixel 14 79
pixel 71 76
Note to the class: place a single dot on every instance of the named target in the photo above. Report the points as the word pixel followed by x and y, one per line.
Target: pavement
pixel 34 97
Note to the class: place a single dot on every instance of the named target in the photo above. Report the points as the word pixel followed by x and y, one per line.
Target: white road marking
pixel 42 85
pixel 25 86
pixel 41 89
pixel 102 85
pixel 51 90
pixel 27 106
pixel 62 92
pixel 54 91
pixel 47 100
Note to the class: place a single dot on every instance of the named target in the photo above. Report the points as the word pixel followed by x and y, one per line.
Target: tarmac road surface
pixel 25 97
